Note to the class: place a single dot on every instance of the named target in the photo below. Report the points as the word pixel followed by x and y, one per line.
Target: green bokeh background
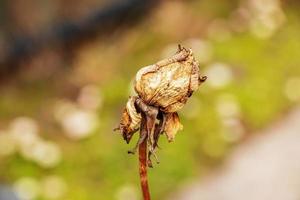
pixel 98 167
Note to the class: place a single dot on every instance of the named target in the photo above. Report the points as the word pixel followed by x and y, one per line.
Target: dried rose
pixel 166 85
pixel 163 89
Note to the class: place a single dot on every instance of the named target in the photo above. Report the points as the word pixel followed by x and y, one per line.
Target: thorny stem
pixel 143 161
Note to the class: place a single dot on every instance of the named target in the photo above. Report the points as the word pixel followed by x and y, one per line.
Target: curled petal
pixel 130 120
pixel 172 125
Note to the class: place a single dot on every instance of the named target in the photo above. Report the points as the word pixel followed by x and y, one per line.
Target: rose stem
pixel 143 161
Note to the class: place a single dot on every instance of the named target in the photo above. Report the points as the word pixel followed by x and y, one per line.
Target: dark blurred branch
pixel 71 34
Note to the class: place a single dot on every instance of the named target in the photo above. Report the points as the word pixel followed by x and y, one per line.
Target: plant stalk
pixel 143 162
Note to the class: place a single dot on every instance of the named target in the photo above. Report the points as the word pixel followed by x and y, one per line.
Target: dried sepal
pixel 130 120
pixel 172 125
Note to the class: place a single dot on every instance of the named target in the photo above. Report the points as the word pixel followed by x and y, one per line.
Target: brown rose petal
pixel 172 125
pixel 130 120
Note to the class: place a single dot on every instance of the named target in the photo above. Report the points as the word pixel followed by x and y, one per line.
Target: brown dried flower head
pixel 166 85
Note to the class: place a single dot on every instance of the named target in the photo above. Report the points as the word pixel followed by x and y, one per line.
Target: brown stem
pixel 143 161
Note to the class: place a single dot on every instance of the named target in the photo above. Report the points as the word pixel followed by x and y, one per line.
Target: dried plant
pixel 163 89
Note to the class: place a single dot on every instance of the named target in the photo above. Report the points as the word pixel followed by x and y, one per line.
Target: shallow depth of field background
pixel 59 105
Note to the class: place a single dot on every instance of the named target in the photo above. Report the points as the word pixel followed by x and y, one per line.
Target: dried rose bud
pixel 170 82
pixel 166 85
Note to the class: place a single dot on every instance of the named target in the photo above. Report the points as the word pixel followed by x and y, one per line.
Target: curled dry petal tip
pixel 202 79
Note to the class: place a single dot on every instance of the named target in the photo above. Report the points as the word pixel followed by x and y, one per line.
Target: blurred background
pixel 66 71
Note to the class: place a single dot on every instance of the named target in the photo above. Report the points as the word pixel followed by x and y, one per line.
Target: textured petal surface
pixel 168 83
